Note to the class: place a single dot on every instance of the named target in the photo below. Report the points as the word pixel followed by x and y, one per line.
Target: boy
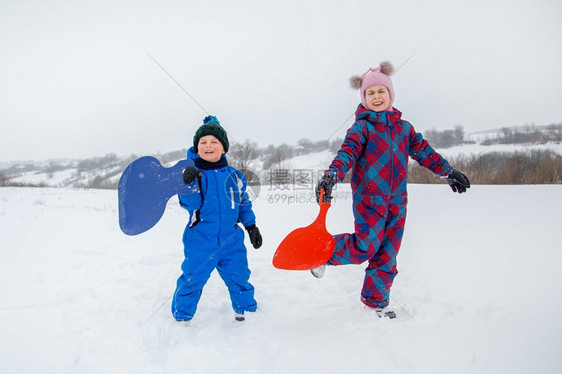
pixel 213 238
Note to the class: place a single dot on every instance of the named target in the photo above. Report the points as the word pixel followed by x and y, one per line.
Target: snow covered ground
pixel 478 290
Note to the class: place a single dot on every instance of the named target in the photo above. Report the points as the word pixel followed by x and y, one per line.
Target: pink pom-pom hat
pixel 379 76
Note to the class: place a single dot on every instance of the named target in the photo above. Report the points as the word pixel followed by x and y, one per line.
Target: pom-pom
pixel 387 68
pixel 211 120
pixel 355 82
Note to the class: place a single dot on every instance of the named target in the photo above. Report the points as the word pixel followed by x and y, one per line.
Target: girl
pixel 377 148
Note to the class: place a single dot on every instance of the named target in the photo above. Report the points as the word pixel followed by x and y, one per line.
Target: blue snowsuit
pixel 213 238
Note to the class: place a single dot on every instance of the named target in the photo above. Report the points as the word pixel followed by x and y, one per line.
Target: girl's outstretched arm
pixel 350 150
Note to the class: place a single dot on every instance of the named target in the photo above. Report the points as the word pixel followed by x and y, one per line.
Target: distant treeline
pixel 507 135
pixel 445 138
pixel 527 135
pixel 243 155
pixel 531 167
pixel 490 168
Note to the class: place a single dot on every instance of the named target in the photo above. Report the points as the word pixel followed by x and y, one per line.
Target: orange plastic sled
pixel 307 247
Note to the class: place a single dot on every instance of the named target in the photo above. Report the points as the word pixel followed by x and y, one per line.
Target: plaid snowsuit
pixel 377 147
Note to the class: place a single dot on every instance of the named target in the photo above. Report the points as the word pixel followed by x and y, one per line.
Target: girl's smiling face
pixel 210 148
pixel 377 98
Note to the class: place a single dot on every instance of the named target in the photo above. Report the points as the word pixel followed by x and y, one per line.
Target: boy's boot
pixel 239 317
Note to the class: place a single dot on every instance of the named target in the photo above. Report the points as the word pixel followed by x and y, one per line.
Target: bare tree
pixel 3 179
pixel 281 153
pixel 244 154
pixel 305 143
pixel 445 138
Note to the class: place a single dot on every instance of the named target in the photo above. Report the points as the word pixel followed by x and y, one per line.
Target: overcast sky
pixel 77 79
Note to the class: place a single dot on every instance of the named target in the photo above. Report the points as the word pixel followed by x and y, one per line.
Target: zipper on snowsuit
pixel 391 160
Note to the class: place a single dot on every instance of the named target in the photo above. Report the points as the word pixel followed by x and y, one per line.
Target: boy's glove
pixel 326 182
pixel 189 174
pixel 458 181
pixel 255 236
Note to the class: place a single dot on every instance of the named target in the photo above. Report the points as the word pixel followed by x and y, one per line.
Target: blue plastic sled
pixel 144 190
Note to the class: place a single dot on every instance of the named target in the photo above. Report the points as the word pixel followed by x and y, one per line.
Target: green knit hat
pixel 211 126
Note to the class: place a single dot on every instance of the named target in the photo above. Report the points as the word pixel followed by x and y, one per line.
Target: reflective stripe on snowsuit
pixel 377 147
pixel 215 241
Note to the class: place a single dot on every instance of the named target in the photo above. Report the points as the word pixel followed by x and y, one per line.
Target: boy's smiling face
pixel 377 98
pixel 210 148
